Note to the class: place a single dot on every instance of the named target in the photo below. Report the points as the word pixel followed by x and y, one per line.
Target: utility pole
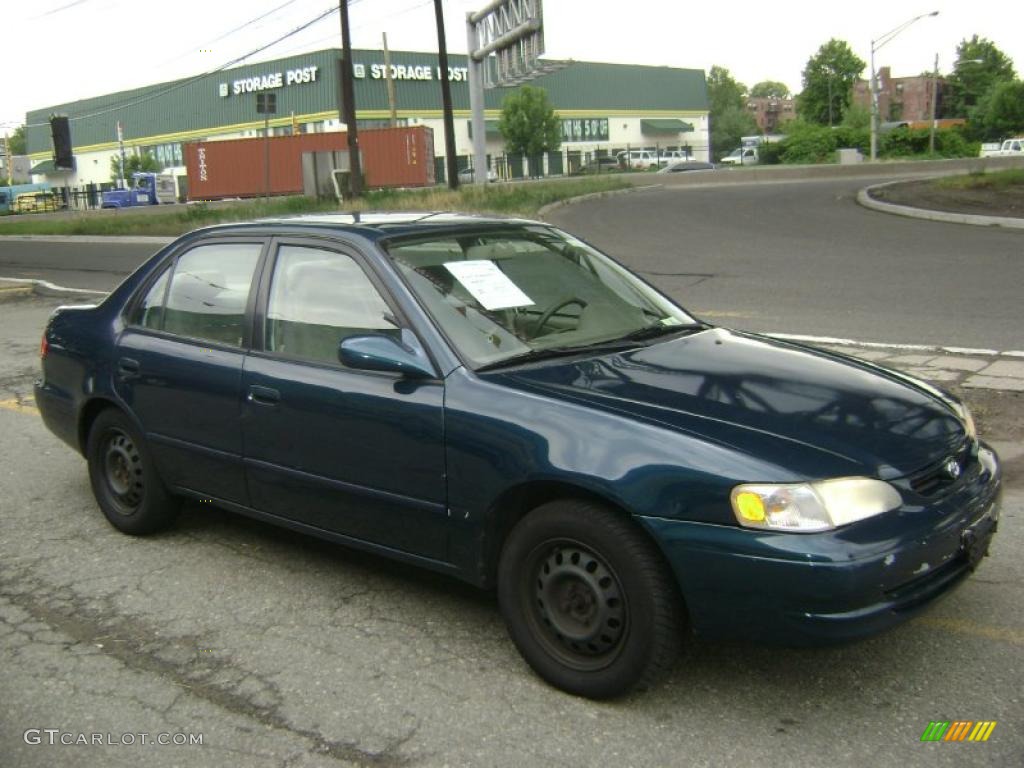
pixel 348 105
pixel 390 81
pixel 120 144
pixel 452 166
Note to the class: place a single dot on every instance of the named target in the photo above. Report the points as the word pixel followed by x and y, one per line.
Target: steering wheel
pixel 550 312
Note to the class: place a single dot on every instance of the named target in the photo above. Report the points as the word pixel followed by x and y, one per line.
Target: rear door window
pixel 207 296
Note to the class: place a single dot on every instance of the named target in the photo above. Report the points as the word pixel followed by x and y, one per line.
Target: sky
pixel 61 50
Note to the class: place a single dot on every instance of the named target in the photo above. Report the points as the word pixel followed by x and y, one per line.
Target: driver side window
pixel 317 299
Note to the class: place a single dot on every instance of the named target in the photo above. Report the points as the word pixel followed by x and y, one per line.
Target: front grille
pixel 937 478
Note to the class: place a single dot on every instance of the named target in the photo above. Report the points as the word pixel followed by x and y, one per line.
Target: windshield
pixel 505 295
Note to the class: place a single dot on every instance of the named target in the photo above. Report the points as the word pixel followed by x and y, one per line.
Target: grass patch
pixel 997 180
pixel 519 199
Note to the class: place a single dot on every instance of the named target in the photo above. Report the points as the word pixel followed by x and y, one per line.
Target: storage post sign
pixel 271 80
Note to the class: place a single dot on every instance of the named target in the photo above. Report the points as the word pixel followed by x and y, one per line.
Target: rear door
pixel 178 364
pixel 355 452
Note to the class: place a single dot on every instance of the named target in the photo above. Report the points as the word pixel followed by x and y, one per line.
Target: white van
pixel 638 159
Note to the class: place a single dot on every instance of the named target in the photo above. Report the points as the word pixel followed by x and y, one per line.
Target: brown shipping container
pixel 392 157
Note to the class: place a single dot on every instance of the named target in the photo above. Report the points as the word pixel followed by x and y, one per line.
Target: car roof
pixel 374 225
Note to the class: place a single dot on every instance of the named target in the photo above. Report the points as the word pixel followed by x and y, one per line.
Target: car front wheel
pixel 588 600
pixel 124 479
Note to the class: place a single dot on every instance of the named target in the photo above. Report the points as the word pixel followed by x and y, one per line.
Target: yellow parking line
pixel 19 406
pixel 965 627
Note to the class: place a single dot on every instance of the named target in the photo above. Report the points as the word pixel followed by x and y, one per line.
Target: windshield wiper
pixel 659 329
pixel 619 344
pixel 614 345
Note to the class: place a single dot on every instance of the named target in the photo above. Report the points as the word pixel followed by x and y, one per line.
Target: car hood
pixel 810 411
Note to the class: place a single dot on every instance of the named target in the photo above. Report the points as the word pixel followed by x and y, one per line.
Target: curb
pixel 864 198
pixel 11 287
pixel 544 210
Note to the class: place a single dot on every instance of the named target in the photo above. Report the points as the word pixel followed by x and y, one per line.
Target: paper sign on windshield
pixel 488 284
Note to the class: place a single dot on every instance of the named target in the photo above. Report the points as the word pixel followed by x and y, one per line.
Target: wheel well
pixel 87 417
pixel 517 503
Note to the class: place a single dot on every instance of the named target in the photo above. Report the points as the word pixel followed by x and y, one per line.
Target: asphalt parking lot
pixel 277 650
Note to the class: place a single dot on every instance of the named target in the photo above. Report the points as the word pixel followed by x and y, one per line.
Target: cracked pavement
pixel 287 652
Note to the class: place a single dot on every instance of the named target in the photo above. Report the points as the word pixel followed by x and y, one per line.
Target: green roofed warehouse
pixel 604 108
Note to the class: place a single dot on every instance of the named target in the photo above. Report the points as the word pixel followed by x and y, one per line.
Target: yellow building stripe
pixel 19 406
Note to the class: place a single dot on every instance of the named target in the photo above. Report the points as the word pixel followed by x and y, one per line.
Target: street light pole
pixel 876 45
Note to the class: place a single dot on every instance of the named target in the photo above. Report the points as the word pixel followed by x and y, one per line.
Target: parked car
pixel 496 400
pixel 668 157
pixel 466 176
pixel 638 159
pixel 36 202
pixel 684 166
pixel 599 165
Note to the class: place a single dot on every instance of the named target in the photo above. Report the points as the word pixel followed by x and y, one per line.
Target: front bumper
pixel 803 589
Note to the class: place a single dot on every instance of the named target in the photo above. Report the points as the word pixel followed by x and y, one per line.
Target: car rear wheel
pixel 588 600
pixel 124 479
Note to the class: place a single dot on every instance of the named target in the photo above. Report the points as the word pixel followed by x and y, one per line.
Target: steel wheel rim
pixel 122 472
pixel 576 604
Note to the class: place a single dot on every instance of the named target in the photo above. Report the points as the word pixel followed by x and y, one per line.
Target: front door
pixel 354 452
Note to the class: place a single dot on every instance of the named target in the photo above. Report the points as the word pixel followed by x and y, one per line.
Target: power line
pixel 197 78
pixel 239 28
pixel 65 7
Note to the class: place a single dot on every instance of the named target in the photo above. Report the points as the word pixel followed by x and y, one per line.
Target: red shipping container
pixel 392 157
pixel 398 157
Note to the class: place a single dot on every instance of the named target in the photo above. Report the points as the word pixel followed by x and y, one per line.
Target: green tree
pixel 728 127
pixel 808 142
pixel 528 122
pixel 1000 113
pixel 771 89
pixel 724 92
pixel 729 117
pixel 979 67
pixel 17 141
pixel 828 82
pixel 146 163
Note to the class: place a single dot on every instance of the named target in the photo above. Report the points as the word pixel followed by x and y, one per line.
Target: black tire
pixel 588 600
pixel 124 478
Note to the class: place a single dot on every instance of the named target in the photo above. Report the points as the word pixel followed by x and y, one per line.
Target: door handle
pixel 127 368
pixel 263 395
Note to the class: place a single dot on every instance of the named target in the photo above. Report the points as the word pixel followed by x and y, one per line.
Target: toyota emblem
pixel 952 469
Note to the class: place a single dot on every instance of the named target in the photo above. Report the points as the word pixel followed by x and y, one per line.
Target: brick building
pixel 900 98
pixel 771 113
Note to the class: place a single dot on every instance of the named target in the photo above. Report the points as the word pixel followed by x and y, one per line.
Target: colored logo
pixel 958 730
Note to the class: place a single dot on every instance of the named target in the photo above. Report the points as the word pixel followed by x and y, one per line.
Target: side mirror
pixel 377 352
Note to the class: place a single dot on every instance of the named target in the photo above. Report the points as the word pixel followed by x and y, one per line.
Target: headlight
pixel 967 420
pixel 809 507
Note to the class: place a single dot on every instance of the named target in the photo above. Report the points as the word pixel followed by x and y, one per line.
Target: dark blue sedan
pixel 497 400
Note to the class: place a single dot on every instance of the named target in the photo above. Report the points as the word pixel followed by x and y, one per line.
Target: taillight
pixel 44 347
